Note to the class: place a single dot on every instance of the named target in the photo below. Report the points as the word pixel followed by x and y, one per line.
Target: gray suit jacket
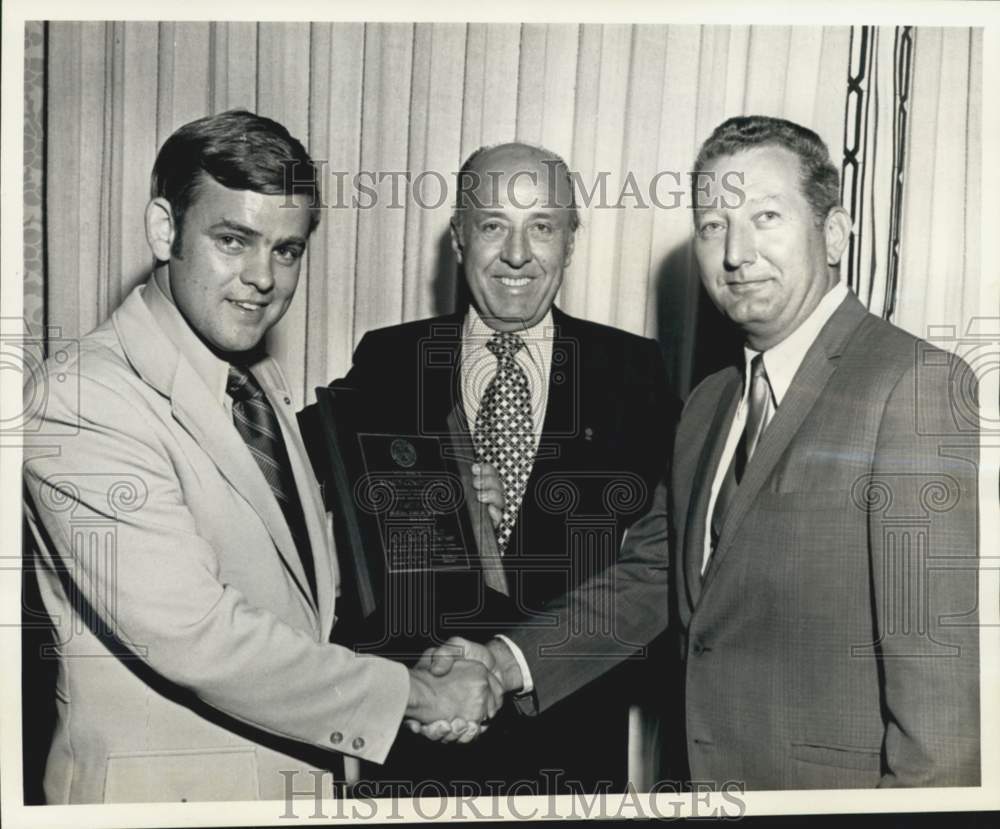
pixel 193 662
pixel 833 641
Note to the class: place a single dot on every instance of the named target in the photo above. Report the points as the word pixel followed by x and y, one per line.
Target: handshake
pixel 458 687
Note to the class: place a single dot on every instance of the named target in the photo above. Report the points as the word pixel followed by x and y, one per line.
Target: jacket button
pixel 697 648
pixel 336 737
pixel 358 743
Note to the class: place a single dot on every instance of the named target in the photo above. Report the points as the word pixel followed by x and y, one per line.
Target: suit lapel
pixel 463 453
pixel 696 524
pixel 160 364
pixel 563 418
pixel 564 377
pixel 817 367
pixel 441 378
pixel 324 564
pixel 443 414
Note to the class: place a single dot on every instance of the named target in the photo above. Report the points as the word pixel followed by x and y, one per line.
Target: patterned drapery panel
pixel 876 125
pixel 34 190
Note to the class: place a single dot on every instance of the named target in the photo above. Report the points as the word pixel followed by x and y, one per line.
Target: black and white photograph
pixel 554 411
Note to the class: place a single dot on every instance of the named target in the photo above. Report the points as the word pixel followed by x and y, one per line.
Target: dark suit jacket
pixel 604 444
pixel 833 642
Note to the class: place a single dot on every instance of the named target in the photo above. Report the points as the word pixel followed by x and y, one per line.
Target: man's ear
pixel 456 239
pixel 161 229
pixel 837 232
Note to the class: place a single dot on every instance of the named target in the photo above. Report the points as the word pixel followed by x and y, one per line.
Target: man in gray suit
pixel 183 551
pixel 819 570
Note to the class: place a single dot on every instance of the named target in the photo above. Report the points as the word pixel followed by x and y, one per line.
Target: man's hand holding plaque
pixel 489 490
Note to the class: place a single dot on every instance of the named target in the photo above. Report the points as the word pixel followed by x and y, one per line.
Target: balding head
pixel 513 232
pixel 478 179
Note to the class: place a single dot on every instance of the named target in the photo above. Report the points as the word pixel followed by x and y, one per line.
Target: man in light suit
pixel 592 426
pixel 183 552
pixel 821 576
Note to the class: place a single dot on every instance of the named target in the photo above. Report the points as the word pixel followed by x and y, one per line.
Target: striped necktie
pixel 257 424
pixel 761 408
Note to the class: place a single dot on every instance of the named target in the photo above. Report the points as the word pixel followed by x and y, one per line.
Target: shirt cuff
pixel 528 686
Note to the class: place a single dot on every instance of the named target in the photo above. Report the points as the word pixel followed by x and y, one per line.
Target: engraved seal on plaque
pixel 403 453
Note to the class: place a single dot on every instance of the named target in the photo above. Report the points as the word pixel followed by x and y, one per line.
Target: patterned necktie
pixel 257 424
pixel 504 433
pixel 758 415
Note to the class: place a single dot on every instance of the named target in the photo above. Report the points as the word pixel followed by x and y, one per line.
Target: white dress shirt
pixel 780 363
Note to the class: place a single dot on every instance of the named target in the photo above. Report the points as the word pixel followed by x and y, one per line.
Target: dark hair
pixel 468 178
pixel 820 180
pixel 240 150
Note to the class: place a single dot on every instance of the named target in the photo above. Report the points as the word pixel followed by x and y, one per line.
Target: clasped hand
pixel 455 690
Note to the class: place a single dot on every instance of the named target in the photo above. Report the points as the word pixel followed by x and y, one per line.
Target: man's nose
pixel 516 248
pixel 741 246
pixel 257 271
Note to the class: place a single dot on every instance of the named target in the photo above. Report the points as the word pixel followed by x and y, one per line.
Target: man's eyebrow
pixel 768 197
pixel 291 240
pixel 543 212
pixel 229 224
pixel 246 230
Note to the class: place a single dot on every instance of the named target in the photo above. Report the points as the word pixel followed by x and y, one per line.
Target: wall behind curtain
pixel 397 97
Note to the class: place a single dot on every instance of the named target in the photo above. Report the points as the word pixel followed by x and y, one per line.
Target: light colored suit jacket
pixel 833 641
pixel 193 661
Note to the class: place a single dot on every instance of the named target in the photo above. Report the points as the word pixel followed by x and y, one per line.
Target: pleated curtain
pixel 625 101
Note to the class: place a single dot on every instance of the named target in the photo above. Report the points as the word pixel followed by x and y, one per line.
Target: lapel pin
pixel 588 433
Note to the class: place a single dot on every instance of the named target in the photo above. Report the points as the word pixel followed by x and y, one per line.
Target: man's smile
pixel 249 305
pixel 514 281
pixel 748 286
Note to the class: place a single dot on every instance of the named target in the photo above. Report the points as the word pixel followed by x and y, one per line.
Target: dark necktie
pixel 504 433
pixel 758 415
pixel 257 424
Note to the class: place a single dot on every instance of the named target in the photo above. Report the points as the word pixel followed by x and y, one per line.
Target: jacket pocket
pixel 183 775
pixel 843 757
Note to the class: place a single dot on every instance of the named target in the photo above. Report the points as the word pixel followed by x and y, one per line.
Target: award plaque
pixel 401 503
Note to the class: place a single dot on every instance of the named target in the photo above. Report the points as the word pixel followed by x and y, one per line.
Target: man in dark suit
pixel 822 557
pixel 575 420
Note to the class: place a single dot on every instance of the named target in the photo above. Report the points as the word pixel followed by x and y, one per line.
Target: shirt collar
pixel 212 370
pixel 479 333
pixel 782 361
